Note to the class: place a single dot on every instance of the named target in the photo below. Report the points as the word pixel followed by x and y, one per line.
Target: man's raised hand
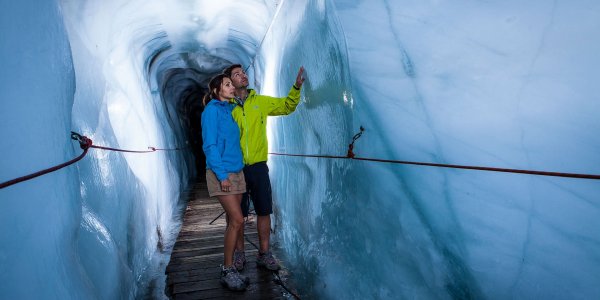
pixel 300 78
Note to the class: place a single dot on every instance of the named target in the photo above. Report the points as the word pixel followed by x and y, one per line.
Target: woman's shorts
pixel 238 184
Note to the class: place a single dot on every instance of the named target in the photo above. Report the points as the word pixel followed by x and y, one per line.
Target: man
pixel 250 114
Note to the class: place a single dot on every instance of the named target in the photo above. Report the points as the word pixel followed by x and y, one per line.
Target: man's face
pixel 239 78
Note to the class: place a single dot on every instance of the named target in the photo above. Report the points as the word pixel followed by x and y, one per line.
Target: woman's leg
pixel 232 206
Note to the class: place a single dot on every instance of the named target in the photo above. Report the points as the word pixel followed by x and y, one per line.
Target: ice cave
pixel 498 84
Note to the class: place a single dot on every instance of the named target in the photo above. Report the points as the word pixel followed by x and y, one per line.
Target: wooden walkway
pixel 194 269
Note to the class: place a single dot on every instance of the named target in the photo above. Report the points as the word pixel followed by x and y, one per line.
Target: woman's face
pixel 227 90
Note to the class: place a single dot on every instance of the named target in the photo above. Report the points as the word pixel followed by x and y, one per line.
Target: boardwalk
pixel 194 269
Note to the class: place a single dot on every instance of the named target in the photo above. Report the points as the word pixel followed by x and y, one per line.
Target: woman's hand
pixel 226 185
pixel 300 78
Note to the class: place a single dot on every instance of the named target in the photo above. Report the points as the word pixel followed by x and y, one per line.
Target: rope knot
pixel 351 146
pixel 84 141
pixel 350 152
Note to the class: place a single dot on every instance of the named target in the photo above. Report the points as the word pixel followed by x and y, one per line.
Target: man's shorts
pixel 259 190
pixel 238 184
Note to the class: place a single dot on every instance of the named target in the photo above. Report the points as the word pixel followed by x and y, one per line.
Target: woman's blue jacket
pixel 221 139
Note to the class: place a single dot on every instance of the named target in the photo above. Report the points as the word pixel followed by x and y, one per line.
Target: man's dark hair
pixel 228 70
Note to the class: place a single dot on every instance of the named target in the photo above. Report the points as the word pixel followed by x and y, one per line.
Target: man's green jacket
pixel 251 117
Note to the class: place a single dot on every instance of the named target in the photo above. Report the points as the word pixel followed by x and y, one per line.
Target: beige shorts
pixel 238 184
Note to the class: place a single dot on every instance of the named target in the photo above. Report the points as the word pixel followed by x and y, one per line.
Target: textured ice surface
pixel 493 83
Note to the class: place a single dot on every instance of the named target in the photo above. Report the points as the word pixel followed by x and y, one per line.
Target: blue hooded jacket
pixel 221 139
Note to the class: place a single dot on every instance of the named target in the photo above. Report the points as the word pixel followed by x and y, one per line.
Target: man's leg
pixel 260 192
pixel 263 205
pixel 264 232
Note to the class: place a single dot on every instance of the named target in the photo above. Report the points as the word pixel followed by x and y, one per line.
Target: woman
pixel 224 176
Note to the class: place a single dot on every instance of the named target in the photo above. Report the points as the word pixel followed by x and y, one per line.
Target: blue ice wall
pixel 130 201
pixel 100 228
pixel 39 219
pixel 510 86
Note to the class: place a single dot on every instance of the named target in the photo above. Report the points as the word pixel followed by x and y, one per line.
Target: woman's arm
pixel 210 142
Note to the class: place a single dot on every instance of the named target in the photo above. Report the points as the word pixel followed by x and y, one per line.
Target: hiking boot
pixel 244 278
pixel 239 260
pixel 267 261
pixel 230 278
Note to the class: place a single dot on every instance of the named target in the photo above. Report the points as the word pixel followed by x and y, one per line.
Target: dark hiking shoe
pixel 230 278
pixel 267 261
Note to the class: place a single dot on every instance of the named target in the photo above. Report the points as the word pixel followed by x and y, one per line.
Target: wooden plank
pixel 258 276
pixel 252 293
pixel 194 240
pixel 194 269
pixel 200 249
pixel 209 273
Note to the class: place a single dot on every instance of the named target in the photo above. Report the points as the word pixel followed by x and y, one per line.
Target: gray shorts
pixel 238 184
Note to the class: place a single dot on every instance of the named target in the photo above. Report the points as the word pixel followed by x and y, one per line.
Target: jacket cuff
pixel 221 178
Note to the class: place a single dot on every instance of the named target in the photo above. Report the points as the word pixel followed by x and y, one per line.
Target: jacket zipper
pixel 245 131
pixel 241 104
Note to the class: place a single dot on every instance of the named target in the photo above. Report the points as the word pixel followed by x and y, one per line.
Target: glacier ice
pixel 495 83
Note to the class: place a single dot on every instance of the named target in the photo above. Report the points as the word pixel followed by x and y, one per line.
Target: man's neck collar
pixel 242 93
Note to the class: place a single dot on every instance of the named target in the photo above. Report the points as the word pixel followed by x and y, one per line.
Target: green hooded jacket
pixel 251 117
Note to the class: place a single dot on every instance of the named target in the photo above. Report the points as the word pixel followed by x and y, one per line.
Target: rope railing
pixel 85 146
pixel 85 143
pixel 351 155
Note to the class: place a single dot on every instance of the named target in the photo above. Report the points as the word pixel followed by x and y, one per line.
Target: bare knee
pixel 236 222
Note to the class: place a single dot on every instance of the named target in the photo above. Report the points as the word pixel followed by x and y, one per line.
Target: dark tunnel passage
pixel 183 83
pixel 182 90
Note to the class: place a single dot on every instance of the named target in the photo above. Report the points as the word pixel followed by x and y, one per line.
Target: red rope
pixel 85 143
pixel 351 155
pixel 531 172
pixel 163 149
pixel 152 149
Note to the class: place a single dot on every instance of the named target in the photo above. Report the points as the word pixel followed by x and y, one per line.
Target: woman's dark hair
pixel 214 87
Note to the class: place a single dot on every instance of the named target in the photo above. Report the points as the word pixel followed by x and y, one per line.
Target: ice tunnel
pixel 505 84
